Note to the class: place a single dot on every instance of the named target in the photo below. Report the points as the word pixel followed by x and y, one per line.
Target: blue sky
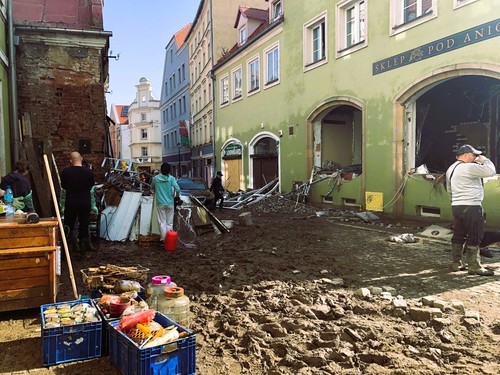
pixel 141 30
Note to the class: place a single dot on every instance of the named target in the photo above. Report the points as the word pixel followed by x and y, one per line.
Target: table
pixel 27 263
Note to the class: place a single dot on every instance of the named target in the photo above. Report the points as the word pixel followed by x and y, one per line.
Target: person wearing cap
pixel 464 182
pixel 218 190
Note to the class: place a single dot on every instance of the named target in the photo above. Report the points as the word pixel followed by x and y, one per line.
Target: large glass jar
pixel 156 289
pixel 175 305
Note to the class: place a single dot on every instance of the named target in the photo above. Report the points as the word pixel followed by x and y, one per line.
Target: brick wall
pixel 61 88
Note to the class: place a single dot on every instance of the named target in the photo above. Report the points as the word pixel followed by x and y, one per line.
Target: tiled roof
pixel 120 110
pixel 251 13
pixel 180 36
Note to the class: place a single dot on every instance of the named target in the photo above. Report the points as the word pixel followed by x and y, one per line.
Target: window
pixel 254 75
pixel 144 133
pixel 272 64
pixel 351 26
pixel 237 84
pixel 224 87
pixel 243 35
pixel 276 9
pixel 315 43
pixel 461 3
pixel 184 104
pixel 406 14
pixel 144 151
pixel 143 117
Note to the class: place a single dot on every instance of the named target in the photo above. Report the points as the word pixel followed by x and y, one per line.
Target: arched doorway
pixel 264 153
pixel 232 154
pixel 449 113
pixel 436 114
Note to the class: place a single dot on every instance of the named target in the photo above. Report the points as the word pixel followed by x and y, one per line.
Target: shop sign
pixel 232 150
pixel 462 39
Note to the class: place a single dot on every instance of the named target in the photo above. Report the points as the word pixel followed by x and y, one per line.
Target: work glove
pixel 93 206
pixel 62 201
pixel 28 202
pixel 18 203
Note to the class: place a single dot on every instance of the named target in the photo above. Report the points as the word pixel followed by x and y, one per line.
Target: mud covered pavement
pixel 299 294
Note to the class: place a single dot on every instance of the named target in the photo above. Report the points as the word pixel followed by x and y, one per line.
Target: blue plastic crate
pixel 105 328
pixel 175 358
pixel 70 343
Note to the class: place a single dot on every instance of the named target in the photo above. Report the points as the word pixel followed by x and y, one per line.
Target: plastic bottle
pixel 156 289
pixel 175 305
pixel 8 199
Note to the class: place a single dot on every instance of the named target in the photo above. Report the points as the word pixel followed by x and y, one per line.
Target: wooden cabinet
pixel 27 263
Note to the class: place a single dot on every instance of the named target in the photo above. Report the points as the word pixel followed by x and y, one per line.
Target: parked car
pixel 196 187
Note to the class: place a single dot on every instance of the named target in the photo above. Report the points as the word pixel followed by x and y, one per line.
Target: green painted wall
pixel 300 93
pixel 4 99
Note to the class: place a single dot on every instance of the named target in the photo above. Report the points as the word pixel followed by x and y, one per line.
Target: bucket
pixel 170 243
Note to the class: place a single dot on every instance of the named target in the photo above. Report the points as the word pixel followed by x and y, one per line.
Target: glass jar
pixel 175 305
pixel 156 289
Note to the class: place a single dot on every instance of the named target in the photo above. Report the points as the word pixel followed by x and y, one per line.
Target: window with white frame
pixel 315 41
pixel 409 13
pixel 254 74
pixel 461 3
pixel 144 151
pixel 143 117
pixel 243 35
pixel 351 26
pixel 237 83
pixel 276 9
pixel 224 90
pixel 144 133
pixel 272 66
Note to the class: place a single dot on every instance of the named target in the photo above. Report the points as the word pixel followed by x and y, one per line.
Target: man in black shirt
pixel 77 181
pixel 218 190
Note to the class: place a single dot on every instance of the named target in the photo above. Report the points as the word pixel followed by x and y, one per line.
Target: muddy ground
pixel 282 296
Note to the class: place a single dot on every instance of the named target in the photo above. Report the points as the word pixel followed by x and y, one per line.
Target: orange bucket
pixel 170 243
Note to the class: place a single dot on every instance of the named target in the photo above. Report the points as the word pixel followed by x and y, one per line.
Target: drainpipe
pixel 15 144
pixel 212 75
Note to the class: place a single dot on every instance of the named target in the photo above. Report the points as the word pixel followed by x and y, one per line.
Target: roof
pixel 180 36
pixel 122 111
pixel 252 14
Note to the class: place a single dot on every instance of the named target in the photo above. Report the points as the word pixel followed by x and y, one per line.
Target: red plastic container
pixel 170 243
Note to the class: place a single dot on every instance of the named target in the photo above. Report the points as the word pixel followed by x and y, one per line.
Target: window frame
pixel 461 3
pixel 144 151
pixel 397 23
pixel 251 90
pixel 224 90
pixel 342 12
pixel 144 134
pixel 308 43
pixel 143 117
pixel 235 95
pixel 276 9
pixel 273 48
pixel 242 34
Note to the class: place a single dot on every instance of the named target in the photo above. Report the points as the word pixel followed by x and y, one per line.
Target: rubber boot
pixel 88 244
pixel 475 267
pixel 457 251
pixel 73 246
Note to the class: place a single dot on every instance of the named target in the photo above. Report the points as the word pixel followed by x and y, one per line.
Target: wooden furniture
pixel 27 263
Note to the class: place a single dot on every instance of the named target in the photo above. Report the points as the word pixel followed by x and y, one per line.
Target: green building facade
pixel 370 102
pixel 4 92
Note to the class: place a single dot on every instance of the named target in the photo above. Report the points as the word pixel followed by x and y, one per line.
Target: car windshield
pixel 191 185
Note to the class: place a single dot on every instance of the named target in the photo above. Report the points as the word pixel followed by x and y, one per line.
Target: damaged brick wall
pixel 62 73
pixel 61 90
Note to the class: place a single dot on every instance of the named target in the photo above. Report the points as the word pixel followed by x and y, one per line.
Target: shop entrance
pixel 449 113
